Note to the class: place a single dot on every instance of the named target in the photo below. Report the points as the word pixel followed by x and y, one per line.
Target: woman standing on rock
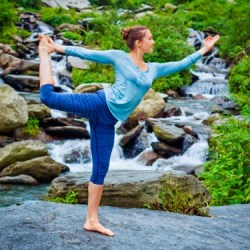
pixel 133 78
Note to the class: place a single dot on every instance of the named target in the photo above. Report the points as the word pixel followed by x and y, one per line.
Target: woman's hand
pixel 208 43
pixel 44 45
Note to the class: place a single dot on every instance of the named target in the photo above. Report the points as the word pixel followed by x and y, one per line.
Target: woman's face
pixel 147 42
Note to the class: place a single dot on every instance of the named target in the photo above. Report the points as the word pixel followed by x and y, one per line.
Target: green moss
pixel 32 127
pixel 70 198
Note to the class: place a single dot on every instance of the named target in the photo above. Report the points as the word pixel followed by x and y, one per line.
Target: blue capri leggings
pixel 102 132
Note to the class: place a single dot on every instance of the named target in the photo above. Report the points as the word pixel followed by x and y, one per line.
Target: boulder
pixel 68 132
pixel 147 158
pixel 211 119
pixel 62 121
pixel 88 88
pixel 169 134
pixel 70 27
pixel 129 124
pixel 39 111
pixel 12 64
pixel 43 169
pixel 14 110
pixel 130 188
pixel 165 150
pixel 171 110
pixel 21 151
pixel 23 82
pixel 76 62
pixel 152 106
pixel 68 4
pixel 19 179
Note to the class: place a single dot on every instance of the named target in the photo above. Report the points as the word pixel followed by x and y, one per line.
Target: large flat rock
pixel 44 225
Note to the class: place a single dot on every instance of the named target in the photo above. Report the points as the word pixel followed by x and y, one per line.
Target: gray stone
pixel 19 179
pixel 43 169
pixel 14 110
pixel 131 188
pixel 68 4
pixel 47 225
pixel 21 151
pixel 39 111
pixel 151 106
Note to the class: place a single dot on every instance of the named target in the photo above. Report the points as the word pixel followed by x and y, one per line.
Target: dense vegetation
pixel 227 174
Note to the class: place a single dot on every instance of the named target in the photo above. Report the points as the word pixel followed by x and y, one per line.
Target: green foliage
pixel 23 33
pixel 239 79
pixel 227 175
pixel 174 198
pixel 126 4
pixel 72 36
pixel 33 4
pixel 70 198
pixel 57 16
pixel 239 84
pixel 96 74
pixel 7 18
pixel 32 127
pixel 236 28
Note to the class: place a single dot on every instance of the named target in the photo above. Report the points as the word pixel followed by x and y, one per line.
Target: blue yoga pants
pixel 92 106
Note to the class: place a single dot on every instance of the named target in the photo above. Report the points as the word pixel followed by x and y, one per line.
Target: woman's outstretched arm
pixel 163 69
pixel 100 56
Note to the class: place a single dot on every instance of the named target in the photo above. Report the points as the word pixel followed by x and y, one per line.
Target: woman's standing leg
pixel 102 142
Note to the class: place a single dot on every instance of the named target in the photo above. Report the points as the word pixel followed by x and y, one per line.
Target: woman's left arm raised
pixel 163 69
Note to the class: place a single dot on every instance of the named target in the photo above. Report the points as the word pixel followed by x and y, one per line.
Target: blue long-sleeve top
pixel 131 83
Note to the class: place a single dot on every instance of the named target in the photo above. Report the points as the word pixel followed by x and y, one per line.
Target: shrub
pixel 227 174
pixel 174 198
pixel 32 127
pixel 70 198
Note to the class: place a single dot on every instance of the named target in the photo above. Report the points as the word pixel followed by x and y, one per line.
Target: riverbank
pixel 44 225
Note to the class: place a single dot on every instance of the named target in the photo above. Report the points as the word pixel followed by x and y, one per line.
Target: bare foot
pixel 97 227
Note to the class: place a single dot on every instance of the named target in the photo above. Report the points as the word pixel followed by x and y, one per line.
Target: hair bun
pixel 125 33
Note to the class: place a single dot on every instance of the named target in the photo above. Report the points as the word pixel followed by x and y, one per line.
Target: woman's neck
pixel 137 56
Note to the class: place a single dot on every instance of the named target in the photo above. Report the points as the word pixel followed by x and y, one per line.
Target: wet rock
pixel 61 121
pixel 211 119
pixel 68 132
pixel 130 136
pixel 19 179
pixel 39 111
pixel 5 140
pixel 24 83
pixel 165 150
pixel 152 105
pixel 12 64
pixel 199 97
pixel 188 141
pixel 129 124
pixel 134 142
pixel 189 130
pixel 147 158
pixel 14 110
pixel 43 169
pixel 77 155
pixel 21 151
pixel 173 93
pixel 169 134
pixel 171 110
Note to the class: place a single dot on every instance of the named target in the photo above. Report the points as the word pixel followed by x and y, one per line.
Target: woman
pixel 133 78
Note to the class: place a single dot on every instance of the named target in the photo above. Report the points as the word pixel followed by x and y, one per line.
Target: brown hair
pixel 130 35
